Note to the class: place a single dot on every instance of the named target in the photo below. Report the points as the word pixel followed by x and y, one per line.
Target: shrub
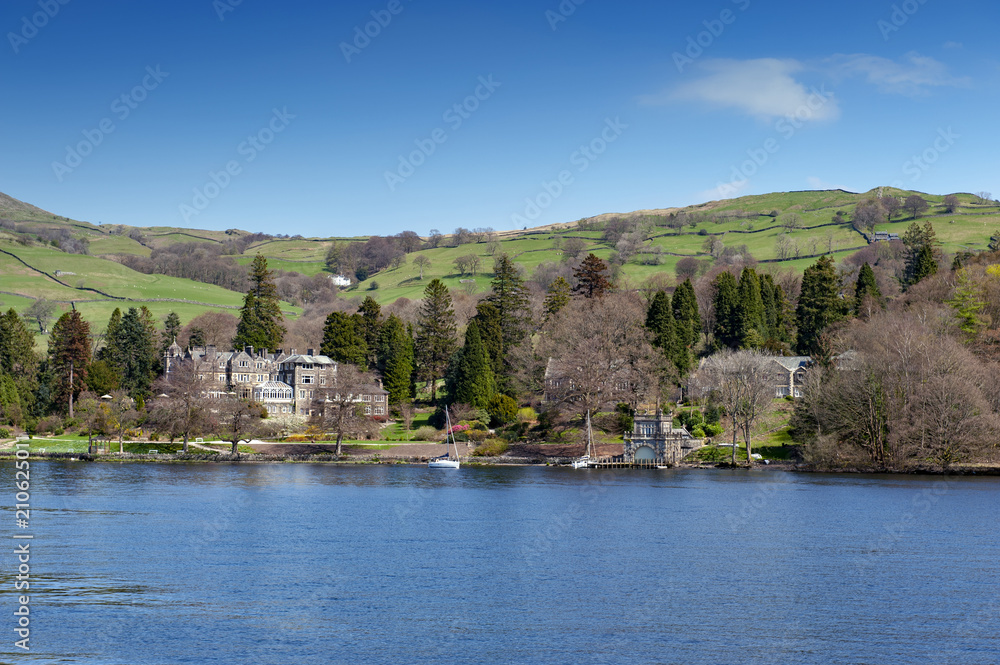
pixel 491 448
pixel 502 410
pixel 296 438
pixel 4 433
pixel 527 415
pixel 59 431
pixel 712 429
pixel 712 414
pixel 697 432
pixel 154 436
pixel 48 424
pixel 427 434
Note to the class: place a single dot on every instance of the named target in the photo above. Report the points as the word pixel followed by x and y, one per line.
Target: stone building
pixel 655 439
pixel 286 383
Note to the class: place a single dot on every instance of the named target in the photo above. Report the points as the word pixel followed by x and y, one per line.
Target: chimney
pixel 291 352
pixel 310 352
pixel 248 350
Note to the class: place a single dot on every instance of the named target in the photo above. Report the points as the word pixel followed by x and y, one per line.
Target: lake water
pixel 299 563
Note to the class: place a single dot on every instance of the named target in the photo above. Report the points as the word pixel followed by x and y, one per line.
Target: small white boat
pixel 584 462
pixel 446 462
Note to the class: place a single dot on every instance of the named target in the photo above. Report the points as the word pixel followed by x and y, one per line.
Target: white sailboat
pixel 584 462
pixel 446 462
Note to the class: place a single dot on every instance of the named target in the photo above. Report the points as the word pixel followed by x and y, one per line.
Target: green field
pixel 758 228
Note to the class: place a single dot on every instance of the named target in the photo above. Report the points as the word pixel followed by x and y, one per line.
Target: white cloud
pixel 724 190
pixel 915 75
pixel 954 45
pixel 763 88
pixel 820 184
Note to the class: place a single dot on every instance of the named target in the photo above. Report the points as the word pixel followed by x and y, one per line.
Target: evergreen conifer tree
pixel 371 328
pixel 866 286
pixel 395 360
pixel 726 299
pixel 819 304
pixel 69 344
pixel 590 276
pixel 343 341
pixel 750 330
pixel 261 319
pixel 435 339
pixel 473 383
pixel 685 306
pixel 556 297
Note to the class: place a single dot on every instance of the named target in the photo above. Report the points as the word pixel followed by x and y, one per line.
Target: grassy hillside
pixel 97 284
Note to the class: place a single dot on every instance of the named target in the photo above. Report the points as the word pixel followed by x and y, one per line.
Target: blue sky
pixel 288 118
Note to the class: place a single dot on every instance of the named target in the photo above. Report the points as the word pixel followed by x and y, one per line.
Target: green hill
pixel 33 263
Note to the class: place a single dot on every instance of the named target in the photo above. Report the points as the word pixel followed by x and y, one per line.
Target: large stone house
pixel 792 373
pixel 286 383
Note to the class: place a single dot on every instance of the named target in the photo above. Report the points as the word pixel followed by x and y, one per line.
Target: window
pixel 244 363
pixel 368 410
pixel 302 394
pixel 222 378
pixel 379 410
pixel 308 378
pixel 322 380
pixel 284 409
pixel 310 393
pixel 366 398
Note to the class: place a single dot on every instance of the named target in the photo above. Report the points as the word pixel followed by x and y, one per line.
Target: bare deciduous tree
pixel 340 408
pixel 600 354
pixel 421 262
pixel 239 420
pixel 185 408
pixel 745 384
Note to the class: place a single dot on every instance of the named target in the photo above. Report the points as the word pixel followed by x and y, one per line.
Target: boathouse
pixel 655 441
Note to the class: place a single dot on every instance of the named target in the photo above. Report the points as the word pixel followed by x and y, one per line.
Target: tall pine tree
pixel 261 319
pixel 819 304
pixel 685 306
pixel 132 351
pixel 17 356
pixel 371 328
pixel 556 297
pixel 343 341
pixel 69 344
pixel 395 359
pixel 591 277
pixel 749 311
pixel 473 378
pixel 726 303
pixel 509 296
pixel 866 287
pixel 435 339
pixel 488 319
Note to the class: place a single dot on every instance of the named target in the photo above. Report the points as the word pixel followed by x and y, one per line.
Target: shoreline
pixel 377 460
